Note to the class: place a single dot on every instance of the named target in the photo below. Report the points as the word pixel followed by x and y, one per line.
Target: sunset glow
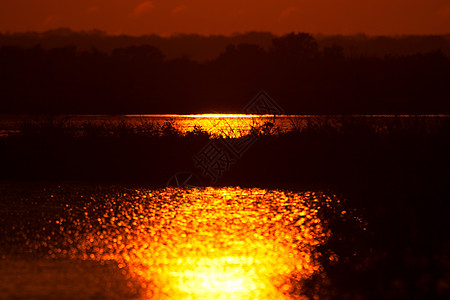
pixel 138 17
pixel 224 150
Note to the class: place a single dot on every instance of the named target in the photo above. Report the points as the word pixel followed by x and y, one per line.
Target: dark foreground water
pixel 107 242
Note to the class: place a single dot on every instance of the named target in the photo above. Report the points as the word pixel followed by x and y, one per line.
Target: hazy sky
pixel 166 17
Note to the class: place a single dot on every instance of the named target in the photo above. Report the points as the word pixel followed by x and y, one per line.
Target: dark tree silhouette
pixel 293 48
pixel 303 77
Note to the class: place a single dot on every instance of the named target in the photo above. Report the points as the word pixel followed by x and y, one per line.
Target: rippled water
pixel 209 243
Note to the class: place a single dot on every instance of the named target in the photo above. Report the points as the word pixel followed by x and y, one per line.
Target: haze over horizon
pixel 139 17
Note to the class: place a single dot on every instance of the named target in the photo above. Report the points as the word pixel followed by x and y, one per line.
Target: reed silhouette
pixel 394 175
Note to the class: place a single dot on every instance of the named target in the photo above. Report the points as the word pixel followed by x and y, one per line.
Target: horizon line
pixel 177 34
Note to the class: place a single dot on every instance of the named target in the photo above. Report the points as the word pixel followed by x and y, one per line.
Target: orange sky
pixel 136 17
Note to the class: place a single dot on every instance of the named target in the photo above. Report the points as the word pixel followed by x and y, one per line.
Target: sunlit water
pixel 209 243
pixel 227 125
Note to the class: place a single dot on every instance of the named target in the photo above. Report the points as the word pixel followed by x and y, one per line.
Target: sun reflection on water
pixel 223 125
pixel 208 243
pixel 217 277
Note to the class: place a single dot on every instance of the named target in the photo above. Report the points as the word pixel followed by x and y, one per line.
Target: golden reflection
pixel 223 125
pixel 224 116
pixel 217 125
pixel 209 243
pixel 219 277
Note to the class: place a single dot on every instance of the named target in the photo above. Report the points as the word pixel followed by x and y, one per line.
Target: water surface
pixel 191 243
pixel 227 125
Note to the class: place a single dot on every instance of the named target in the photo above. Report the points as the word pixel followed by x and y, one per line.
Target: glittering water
pixel 209 243
pixel 228 125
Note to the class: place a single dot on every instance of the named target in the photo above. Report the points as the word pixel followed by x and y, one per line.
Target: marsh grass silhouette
pixel 315 142
pixel 394 173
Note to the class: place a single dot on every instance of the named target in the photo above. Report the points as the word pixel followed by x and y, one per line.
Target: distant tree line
pixel 197 47
pixel 203 48
pixel 301 75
